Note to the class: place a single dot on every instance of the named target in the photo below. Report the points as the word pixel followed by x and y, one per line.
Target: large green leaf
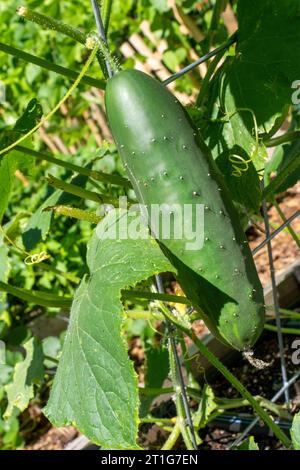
pixel 95 387
pixel 12 161
pixel 27 373
pixel 4 269
pixel 295 432
pixel 227 136
pixel 257 81
pixel 265 67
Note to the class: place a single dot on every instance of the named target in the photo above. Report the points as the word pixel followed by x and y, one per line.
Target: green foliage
pixel 206 407
pixel 13 161
pixel 101 380
pixel 27 374
pixel 264 69
pixel 247 444
pixel 295 432
pixel 254 84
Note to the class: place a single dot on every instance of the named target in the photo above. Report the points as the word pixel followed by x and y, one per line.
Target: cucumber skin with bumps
pixel 167 162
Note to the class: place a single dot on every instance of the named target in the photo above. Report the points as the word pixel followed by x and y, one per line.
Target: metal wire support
pixel 275 300
pixel 276 232
pixel 179 371
pixel 101 31
pixel 202 59
pixel 273 400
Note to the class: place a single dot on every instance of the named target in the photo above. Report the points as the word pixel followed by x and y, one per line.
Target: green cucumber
pixel 167 162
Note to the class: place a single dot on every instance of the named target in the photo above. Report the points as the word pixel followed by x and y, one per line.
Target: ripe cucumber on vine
pixel 167 162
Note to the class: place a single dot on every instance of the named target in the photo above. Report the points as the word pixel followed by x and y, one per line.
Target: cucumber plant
pixel 167 160
pixel 168 163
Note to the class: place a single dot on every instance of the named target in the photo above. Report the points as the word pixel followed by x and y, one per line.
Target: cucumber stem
pixel 182 406
pixel 80 192
pixel 282 139
pixel 96 175
pixel 290 167
pixel 51 66
pixel 75 213
pixel 287 331
pixel 47 22
pixel 37 297
pixel 173 437
pixel 134 294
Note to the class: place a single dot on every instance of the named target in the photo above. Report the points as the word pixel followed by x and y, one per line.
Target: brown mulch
pixel 54 439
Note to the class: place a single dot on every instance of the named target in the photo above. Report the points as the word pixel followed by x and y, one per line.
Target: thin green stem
pixel 173 438
pixel 52 67
pixel 80 192
pixel 275 184
pixel 154 419
pixel 234 403
pixel 56 107
pixel 52 359
pixel 68 276
pixel 145 315
pixel 278 124
pixel 231 378
pixel 106 12
pixel 47 22
pixel 50 23
pixel 285 311
pixel 178 400
pixel 37 297
pixel 96 175
pixel 216 16
pixel 206 81
pixel 154 392
pixel 187 362
pixel 282 139
pixel 289 227
pixel 75 213
pixel 140 295
pixel 287 331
